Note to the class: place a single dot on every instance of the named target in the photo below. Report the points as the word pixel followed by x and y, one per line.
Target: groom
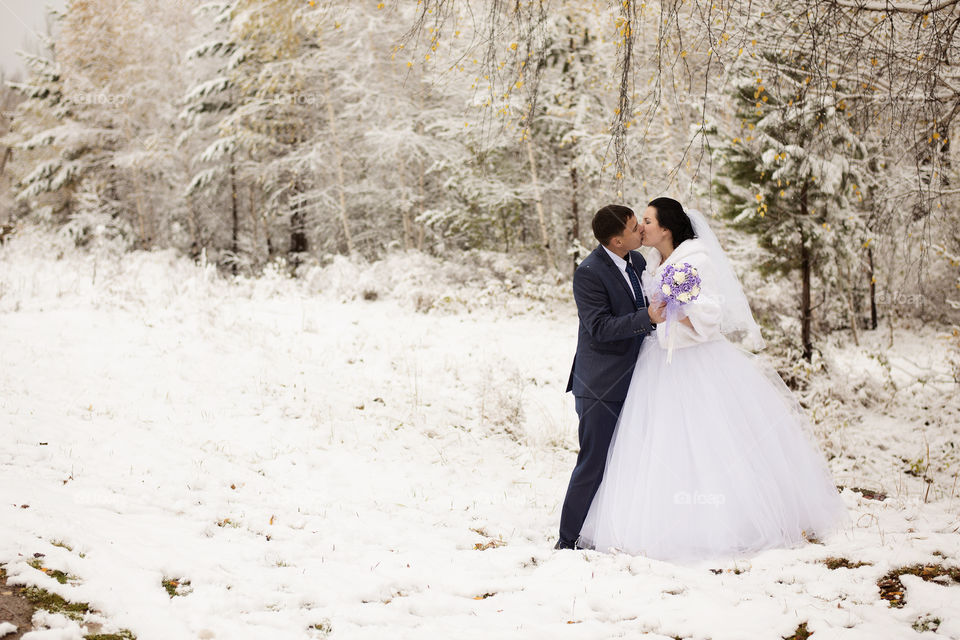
pixel 614 319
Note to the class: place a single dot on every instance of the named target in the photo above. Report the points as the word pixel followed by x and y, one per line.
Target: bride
pixel 711 456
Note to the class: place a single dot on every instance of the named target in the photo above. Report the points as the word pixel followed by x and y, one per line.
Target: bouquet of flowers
pixel 679 284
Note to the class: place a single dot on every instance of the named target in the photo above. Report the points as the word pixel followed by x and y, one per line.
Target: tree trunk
pixel 407 230
pixel 235 216
pixel 873 289
pixel 193 224
pixel 254 223
pixel 849 291
pixel 298 235
pixel 421 178
pixel 805 314
pixel 538 202
pixel 405 217
pixel 7 152
pixel 805 269
pixel 332 123
pixel 265 223
pixel 144 242
pixel 574 234
pixel 420 203
pixel 853 318
pixel 138 186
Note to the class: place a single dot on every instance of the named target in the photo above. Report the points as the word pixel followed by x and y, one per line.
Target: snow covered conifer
pixel 787 170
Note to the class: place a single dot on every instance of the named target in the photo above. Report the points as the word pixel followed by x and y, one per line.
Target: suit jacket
pixel 612 328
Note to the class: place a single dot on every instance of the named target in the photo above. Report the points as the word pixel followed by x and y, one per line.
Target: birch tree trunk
pixel 538 202
pixel 873 289
pixel 405 213
pixel 332 122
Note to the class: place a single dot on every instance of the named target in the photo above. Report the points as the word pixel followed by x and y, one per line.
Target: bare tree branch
pixel 898 7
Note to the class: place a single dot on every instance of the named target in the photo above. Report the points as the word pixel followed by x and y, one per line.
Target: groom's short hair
pixel 610 221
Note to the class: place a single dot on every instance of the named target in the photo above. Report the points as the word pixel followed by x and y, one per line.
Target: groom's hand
pixel 657 312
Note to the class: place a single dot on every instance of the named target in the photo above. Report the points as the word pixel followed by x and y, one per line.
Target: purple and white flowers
pixel 679 285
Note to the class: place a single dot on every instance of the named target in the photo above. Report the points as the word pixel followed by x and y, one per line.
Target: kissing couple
pixel 691 447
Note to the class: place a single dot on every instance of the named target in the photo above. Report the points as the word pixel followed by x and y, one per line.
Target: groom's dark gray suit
pixel 612 327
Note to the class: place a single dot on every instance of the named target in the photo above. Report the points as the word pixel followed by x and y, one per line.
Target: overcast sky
pixel 19 19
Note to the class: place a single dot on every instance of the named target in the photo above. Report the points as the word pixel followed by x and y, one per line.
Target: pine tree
pixel 101 111
pixel 213 154
pixel 787 169
pixel 49 142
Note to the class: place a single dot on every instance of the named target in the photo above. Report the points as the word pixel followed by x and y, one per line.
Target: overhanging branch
pixel 898 7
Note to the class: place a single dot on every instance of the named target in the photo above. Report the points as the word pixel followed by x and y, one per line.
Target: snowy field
pixel 376 451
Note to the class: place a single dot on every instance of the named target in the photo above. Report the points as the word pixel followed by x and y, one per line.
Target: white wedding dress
pixel 711 456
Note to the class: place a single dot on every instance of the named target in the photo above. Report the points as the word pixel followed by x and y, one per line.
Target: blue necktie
pixel 635 283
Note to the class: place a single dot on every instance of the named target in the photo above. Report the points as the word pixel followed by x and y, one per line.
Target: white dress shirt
pixel 622 266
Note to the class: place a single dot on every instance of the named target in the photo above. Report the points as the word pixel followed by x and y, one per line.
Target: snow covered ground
pixel 317 464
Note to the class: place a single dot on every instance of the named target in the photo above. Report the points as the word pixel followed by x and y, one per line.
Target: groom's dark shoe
pixel 564 545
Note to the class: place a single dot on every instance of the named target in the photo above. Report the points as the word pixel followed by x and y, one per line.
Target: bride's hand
pixel 657 312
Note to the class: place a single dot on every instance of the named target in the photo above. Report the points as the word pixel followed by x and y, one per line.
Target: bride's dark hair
pixel 670 215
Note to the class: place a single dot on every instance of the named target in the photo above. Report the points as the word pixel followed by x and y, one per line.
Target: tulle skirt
pixel 711 458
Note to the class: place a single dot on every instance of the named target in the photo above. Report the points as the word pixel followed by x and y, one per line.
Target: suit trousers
pixel 598 419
